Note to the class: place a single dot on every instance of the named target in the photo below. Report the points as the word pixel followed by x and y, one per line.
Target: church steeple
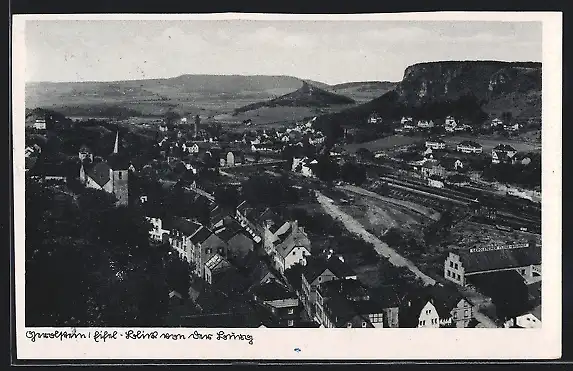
pixel 116 146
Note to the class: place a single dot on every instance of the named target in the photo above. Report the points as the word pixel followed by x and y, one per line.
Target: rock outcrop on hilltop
pixel 490 87
pixel 307 96
pixel 486 80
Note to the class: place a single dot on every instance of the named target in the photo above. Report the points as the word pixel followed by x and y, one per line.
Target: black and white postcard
pixel 297 187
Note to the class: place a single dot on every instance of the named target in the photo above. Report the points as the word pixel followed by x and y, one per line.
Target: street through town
pixel 381 247
pixel 386 251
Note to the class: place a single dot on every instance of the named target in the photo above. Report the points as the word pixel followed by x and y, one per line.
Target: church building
pixel 111 175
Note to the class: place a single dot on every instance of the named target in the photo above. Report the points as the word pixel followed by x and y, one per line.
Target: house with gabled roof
pixel 182 230
pixel 525 258
pixel 282 301
pixel 292 247
pixel 469 146
pixel 502 153
pixel 238 240
pixel 340 312
pixel 215 265
pixel 530 318
pixel 431 168
pixel 436 307
pixel 85 153
pixel 205 244
pixel 319 270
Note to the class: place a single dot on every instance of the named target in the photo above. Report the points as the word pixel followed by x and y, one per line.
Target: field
pixel 377 217
pixel 383 143
pixel 277 115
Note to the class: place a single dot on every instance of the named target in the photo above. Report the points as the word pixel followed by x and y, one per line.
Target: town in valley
pixel 282 202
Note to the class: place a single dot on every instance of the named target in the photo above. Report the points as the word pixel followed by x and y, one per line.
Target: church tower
pixel 119 174
pixel 116 146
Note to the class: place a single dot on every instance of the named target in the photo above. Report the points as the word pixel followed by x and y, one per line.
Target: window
pixel 319 279
pixel 291 311
pixel 459 278
pixel 451 264
pixel 290 323
pixel 448 273
pixel 423 322
pixel 427 311
pixel 456 265
pixel 349 325
pixel 363 324
pixel 465 313
pixel 120 175
pixel 455 315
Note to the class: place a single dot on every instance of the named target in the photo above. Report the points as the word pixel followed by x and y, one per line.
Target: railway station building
pixel 524 258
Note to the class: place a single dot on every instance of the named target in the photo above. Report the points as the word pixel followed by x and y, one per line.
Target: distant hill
pixel 467 86
pixel 187 93
pixel 363 91
pixel 365 85
pixel 307 96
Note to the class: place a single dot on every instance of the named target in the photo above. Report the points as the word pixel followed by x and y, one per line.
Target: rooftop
pixel 470 143
pixel 500 259
pixel 316 266
pixel 186 226
pixel 504 147
pixel 273 290
pixel 201 235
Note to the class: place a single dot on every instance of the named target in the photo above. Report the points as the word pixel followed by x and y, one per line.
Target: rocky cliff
pixel 518 84
pixel 494 87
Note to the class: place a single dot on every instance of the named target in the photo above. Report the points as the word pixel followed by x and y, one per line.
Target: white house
pixel 435 183
pixel 512 127
pixel 429 317
pixel 374 118
pixel 405 120
pixel 40 124
pixel 530 319
pixel 425 124
pixel 435 144
pixel 301 165
pixel 496 121
pixel 157 232
pixel 450 121
pixel 468 146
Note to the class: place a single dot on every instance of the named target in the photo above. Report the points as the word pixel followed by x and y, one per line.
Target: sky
pixel 328 51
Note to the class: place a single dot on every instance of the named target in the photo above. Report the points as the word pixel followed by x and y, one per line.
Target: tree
pixel 506 117
pixel 90 263
pixel 227 197
pixel 353 173
pixel 326 169
pixel 171 117
pixel 365 154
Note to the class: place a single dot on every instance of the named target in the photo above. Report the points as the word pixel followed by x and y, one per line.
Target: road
pixel 381 247
pixel 479 301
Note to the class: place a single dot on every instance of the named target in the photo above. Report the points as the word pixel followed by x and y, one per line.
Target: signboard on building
pixel 494 248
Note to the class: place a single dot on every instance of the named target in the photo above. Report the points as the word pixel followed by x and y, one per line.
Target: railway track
pixel 428 192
